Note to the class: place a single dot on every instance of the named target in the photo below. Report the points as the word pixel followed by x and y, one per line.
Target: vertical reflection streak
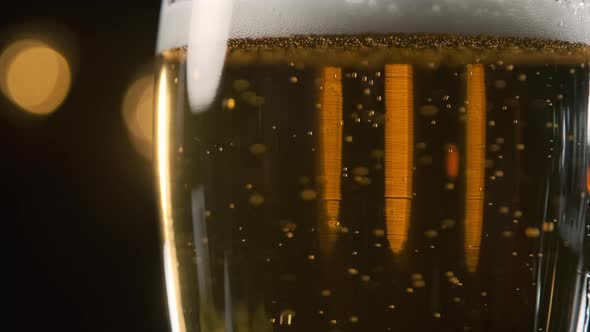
pixel 165 201
pixel 330 159
pixel 452 161
pixel 475 164
pixel 399 154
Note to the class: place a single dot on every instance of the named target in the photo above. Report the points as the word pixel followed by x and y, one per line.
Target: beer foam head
pixel 206 25
pixel 567 20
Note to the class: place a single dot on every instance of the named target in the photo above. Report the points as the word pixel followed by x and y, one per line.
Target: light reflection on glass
pixel 164 180
pixel 399 154
pixel 474 163
pixel 330 158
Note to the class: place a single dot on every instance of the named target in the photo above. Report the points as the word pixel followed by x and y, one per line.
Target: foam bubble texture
pixel 567 20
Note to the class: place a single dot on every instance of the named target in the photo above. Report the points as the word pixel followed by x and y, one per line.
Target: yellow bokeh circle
pixel 137 114
pixel 35 77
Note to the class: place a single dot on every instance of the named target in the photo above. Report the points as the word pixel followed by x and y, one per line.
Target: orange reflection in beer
pixel 474 164
pixel 452 161
pixel 330 156
pixel 588 178
pixel 399 154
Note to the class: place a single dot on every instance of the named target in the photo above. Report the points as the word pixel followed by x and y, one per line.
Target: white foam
pixel 567 20
pixel 205 25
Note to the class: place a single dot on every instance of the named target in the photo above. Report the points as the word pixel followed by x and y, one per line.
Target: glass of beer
pixel 374 165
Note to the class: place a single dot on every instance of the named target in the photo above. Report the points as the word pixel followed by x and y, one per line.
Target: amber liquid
pixel 380 183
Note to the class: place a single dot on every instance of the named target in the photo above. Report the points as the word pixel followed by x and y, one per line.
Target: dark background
pixel 82 236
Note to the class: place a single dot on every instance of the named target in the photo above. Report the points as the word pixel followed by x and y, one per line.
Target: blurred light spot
pixel 137 114
pixel 35 76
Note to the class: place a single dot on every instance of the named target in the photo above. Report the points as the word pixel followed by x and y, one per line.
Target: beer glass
pixel 374 165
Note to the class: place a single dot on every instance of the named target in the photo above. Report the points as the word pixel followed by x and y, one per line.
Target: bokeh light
pixel 137 114
pixel 34 76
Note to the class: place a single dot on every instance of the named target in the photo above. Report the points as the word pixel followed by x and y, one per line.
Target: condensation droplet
pixel 431 233
pixel 500 84
pixel 418 283
pixel 379 232
pixel 548 227
pixel 532 232
pixel 429 110
pixel 447 223
pixel 361 171
pixel 256 199
pixel 241 85
pixel 257 149
pixel 308 194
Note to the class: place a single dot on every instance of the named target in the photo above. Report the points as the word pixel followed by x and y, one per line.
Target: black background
pixel 81 247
